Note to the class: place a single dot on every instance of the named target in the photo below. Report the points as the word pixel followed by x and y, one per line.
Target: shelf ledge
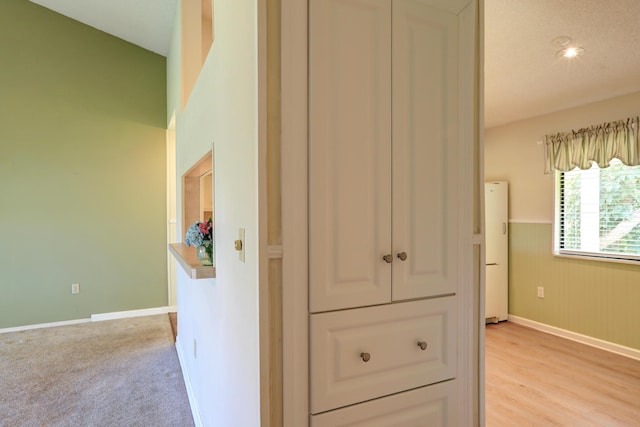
pixel 187 258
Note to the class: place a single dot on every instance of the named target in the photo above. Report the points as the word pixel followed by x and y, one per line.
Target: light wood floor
pixel 173 319
pixel 537 379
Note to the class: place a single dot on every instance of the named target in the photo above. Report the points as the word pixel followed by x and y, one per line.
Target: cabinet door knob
pixel 388 258
pixel 365 357
pixel 402 256
pixel 422 345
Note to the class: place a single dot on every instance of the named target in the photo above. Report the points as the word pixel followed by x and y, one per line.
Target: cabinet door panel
pixel 349 152
pixel 434 406
pixel 425 150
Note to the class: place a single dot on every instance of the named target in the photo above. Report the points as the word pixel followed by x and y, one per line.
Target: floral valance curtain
pixel 600 144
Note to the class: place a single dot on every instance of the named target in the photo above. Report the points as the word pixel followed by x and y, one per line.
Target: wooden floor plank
pixel 173 319
pixel 537 379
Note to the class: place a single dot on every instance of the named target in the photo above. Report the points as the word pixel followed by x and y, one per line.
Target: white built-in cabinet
pixel 384 210
pixel 383 152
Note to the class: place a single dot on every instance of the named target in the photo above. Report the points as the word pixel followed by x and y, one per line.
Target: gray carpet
pixel 112 373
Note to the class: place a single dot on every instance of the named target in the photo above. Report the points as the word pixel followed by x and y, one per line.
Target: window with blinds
pixel 598 212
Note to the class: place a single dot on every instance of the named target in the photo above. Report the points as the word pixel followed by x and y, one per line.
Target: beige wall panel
pixel 512 153
pixel 593 298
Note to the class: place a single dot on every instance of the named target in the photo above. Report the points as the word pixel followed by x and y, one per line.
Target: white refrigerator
pixel 497 251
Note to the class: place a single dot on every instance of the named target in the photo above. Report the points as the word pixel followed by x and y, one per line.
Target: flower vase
pixel 204 255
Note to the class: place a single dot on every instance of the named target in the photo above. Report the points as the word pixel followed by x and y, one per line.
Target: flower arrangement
pixel 201 234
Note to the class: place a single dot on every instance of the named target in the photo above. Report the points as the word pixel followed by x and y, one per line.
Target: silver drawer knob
pixel 365 357
pixel 422 345
pixel 402 256
pixel 388 258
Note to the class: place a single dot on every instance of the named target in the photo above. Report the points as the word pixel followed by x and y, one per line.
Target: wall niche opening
pixel 198 188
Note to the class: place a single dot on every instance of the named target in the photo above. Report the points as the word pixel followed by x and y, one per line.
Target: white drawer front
pixel 390 335
pixel 433 406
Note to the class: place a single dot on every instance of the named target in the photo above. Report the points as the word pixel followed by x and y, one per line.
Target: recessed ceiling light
pixel 571 52
pixel 568 49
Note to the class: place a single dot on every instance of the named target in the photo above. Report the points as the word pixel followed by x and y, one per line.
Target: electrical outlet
pixel 540 292
pixel 75 288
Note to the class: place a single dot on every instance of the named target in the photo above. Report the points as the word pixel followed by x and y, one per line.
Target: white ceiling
pixel 523 76
pixel 146 23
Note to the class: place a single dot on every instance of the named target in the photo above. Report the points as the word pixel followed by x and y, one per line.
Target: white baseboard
pixel 95 318
pixel 574 336
pixel 44 325
pixel 131 313
pixel 195 411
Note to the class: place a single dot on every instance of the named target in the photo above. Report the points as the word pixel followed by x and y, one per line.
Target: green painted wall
pixel 594 298
pixel 82 170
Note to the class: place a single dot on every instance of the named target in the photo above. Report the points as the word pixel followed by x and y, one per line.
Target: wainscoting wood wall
pixel 593 298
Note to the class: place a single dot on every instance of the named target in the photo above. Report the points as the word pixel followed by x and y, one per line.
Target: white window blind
pixel 598 212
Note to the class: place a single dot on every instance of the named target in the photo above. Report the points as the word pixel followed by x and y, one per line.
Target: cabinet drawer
pixel 433 406
pixel 388 338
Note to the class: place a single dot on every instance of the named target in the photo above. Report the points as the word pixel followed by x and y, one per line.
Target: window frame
pixel 578 254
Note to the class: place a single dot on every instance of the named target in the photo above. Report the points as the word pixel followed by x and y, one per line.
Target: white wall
pixel 222 314
pixel 512 153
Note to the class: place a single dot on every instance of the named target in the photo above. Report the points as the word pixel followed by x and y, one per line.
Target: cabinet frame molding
pixel 295 221
pixel 295 218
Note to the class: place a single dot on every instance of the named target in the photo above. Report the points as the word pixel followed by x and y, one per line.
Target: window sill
pixel 187 258
pixel 587 257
